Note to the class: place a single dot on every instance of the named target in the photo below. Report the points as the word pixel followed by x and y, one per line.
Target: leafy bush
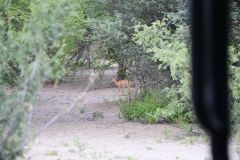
pixel 234 67
pixel 234 83
pixel 237 137
pixel 154 108
pixel 109 27
pixel 27 49
pixel 170 51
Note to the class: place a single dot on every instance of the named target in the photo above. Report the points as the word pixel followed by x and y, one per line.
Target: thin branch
pixel 12 125
pixel 72 106
pixel 28 122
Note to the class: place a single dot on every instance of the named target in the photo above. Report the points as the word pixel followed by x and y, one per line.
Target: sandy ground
pixel 94 131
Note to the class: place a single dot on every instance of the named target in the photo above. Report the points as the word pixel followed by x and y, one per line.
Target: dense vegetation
pixel 148 39
pixel 26 36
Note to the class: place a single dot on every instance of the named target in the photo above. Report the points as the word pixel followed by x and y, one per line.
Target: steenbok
pixel 122 84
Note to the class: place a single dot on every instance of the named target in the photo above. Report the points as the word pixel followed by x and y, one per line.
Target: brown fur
pixel 121 83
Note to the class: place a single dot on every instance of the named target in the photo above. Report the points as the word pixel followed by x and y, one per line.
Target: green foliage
pixel 237 137
pixel 170 51
pixel 234 61
pixel 11 73
pixel 234 83
pixel 25 49
pixel 153 108
pixel 148 48
pixel 142 108
pixel 18 13
pixel 42 40
pixel 76 25
pixel 97 114
pixel 121 74
pixel 109 27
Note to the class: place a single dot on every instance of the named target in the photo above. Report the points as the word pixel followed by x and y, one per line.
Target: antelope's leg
pixel 119 91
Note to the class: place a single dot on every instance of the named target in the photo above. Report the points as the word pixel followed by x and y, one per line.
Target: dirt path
pixel 94 131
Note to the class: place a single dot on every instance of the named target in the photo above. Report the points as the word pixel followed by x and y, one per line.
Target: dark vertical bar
pixel 209 61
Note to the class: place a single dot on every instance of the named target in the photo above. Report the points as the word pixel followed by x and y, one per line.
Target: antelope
pixel 122 84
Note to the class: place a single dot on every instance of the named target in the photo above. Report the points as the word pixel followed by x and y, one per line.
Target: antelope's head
pixel 114 79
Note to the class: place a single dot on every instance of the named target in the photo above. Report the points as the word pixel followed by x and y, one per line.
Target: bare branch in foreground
pixel 13 121
pixel 92 79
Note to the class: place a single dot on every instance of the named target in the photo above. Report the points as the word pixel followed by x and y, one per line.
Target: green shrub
pixel 154 108
pixel 24 60
pixel 234 83
pixel 171 51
